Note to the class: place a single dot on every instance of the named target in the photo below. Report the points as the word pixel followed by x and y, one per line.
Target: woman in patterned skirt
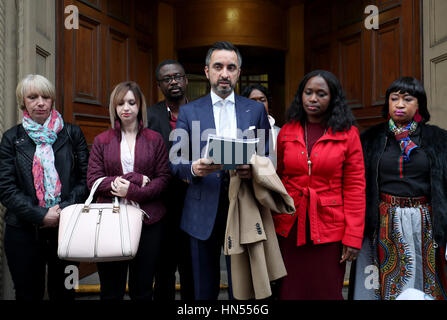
pixel 406 201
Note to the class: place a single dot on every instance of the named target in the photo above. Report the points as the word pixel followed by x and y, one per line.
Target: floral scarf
pixel 402 136
pixel 46 178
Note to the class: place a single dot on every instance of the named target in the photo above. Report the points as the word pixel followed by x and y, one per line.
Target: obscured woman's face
pixel 257 95
pixel 316 99
pixel 127 109
pixel 38 106
pixel 402 107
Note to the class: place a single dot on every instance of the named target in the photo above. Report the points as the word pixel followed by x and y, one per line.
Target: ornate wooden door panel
pixel 435 59
pixel 113 43
pixel 366 61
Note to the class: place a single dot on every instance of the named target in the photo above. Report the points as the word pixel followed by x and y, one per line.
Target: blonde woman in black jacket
pixel 43 169
pixel 406 201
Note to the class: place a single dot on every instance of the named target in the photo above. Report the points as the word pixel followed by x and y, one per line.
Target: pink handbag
pixel 99 231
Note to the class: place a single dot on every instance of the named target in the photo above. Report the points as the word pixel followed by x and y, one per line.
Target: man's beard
pixel 223 91
pixel 176 96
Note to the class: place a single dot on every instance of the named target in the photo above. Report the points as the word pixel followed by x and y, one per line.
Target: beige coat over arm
pixel 250 236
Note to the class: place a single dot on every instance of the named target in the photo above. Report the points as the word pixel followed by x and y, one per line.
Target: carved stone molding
pixel 20 37
pixel 2 61
pixel 2 121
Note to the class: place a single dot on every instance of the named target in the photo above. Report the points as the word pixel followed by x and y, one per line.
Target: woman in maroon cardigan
pixel 135 161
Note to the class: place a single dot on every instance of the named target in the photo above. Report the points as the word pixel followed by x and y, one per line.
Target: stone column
pixel 2 122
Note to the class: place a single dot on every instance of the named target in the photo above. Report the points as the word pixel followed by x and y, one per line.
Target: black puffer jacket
pixel 17 192
pixel 434 144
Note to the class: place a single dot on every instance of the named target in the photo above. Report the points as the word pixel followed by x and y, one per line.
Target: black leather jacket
pixel 17 192
pixel 434 144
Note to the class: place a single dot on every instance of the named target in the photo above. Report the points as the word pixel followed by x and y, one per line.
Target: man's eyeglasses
pixel 168 79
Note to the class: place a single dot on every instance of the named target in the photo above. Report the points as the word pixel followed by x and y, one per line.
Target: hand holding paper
pixel 203 167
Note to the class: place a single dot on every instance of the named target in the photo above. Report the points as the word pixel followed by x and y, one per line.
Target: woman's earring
pixel 417 116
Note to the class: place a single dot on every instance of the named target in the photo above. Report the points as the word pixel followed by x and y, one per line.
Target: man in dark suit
pixel 206 203
pixel 175 251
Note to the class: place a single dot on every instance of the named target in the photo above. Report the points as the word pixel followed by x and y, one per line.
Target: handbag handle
pixel 116 205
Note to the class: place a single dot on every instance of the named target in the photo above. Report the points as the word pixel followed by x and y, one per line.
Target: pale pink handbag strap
pixel 123 217
pixel 64 242
pixel 116 205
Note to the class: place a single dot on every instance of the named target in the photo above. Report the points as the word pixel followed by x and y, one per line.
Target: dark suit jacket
pixel 173 197
pixel 158 120
pixel 202 198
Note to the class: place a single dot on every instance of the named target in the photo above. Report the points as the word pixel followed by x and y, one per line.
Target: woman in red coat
pixel 134 161
pixel 320 162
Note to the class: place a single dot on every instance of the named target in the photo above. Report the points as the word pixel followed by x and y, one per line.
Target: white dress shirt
pixel 274 131
pixel 229 130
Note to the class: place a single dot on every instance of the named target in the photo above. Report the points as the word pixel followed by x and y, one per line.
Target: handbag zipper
pixel 98 225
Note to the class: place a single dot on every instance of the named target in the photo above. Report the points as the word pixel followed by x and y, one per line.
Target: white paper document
pixel 230 152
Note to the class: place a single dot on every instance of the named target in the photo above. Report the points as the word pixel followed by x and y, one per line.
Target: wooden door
pixel 114 43
pixel 365 60
pixel 435 59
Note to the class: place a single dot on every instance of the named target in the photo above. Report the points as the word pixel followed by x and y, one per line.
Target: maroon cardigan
pixel 151 160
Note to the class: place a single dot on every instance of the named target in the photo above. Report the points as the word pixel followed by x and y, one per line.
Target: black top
pixel 415 179
pixel 158 120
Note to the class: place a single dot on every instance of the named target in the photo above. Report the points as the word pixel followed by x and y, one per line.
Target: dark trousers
pixel 175 249
pixel 28 252
pixel 113 275
pixel 175 253
pixel 206 255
